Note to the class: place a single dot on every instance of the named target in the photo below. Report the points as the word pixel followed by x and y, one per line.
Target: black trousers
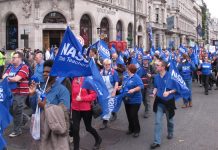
pixel 87 118
pixel 1 71
pixel 205 79
pixel 145 98
pixel 132 116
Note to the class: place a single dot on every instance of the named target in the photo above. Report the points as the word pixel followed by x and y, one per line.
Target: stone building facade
pixel 41 23
pixel 174 20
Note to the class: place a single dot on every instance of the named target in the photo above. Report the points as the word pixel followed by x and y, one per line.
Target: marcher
pixel 18 76
pixel 38 71
pixel 132 87
pixel 55 105
pixel 206 70
pixel 186 69
pixel 111 78
pixel 164 103
pixel 81 109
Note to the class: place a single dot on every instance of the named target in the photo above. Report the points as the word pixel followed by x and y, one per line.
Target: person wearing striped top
pixel 18 77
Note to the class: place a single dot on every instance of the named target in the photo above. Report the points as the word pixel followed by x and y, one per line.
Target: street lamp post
pixel 134 23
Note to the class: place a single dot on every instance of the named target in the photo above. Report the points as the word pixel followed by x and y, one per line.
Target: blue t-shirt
pixel 39 72
pixel 186 69
pixel 130 83
pixel 160 84
pixel 206 68
pixel 114 77
pixel 58 94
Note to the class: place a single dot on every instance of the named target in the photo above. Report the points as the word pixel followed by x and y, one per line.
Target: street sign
pixel 24 36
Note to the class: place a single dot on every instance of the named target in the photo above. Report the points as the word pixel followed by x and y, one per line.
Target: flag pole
pixel 46 84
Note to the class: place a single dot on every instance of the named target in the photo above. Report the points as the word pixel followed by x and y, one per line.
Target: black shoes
pixel 114 117
pixel 154 145
pixel 206 93
pixel 97 144
pixel 104 125
pixel 135 135
pixel 169 136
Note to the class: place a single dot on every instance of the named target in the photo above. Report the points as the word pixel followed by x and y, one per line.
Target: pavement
pixel 195 129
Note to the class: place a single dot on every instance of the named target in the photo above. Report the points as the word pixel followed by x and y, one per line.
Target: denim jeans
pixel 158 123
pixel 189 86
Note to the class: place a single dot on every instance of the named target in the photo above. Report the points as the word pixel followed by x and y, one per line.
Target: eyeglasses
pixel 15 57
pixel 107 64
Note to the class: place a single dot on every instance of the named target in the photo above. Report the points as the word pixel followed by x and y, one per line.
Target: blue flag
pixel 52 55
pixel 103 50
pixel 96 83
pixel 126 53
pixel 183 49
pixel 6 97
pixel 5 104
pixel 69 61
pixel 176 82
pixel 195 55
pixel 2 141
pixel 118 101
pixel 120 60
pixel 152 51
pixel 113 50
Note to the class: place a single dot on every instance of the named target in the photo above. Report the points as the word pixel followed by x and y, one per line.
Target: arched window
pixel 139 28
pixel 119 31
pixel 54 17
pixel 104 27
pixel 86 29
pixel 130 35
pixel 11 32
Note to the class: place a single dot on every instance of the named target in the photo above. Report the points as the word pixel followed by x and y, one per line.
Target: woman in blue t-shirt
pixel 133 97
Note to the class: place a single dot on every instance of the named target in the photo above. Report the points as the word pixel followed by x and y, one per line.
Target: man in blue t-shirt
pixel 206 70
pixel 164 103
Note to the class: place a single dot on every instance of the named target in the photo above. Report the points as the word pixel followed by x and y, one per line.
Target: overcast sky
pixel 213 7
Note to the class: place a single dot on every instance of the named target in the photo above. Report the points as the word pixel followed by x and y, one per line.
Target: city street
pixel 195 129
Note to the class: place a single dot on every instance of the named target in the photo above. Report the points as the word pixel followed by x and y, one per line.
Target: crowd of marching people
pixel 139 75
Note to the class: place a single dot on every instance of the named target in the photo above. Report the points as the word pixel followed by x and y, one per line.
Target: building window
pixel 86 29
pixel 157 15
pixel 157 41
pixel 119 29
pixel 130 35
pixel 139 28
pixel 11 32
pixel 105 31
pixel 54 17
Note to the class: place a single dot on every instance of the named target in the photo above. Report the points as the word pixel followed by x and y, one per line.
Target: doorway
pixel 52 38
